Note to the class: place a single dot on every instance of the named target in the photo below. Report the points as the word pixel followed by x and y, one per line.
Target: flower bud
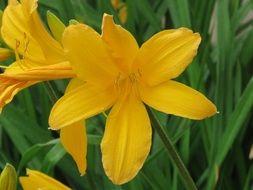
pixel 4 54
pixel 8 178
pixel 56 26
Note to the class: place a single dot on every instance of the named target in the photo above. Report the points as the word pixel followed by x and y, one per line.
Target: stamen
pixel 139 72
pixel 21 58
pixel 26 48
pixel 104 114
pixel 17 55
pixel 17 44
pixel 116 82
pixel 124 83
pixel 4 66
pixel 132 77
pixel 25 36
pixel 26 44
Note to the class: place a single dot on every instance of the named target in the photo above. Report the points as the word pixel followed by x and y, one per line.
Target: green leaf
pixel 236 121
pixel 53 157
pixel 145 8
pixel 33 152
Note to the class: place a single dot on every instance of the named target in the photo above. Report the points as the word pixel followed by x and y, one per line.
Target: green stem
pixel 50 91
pixel 185 176
pixel 91 181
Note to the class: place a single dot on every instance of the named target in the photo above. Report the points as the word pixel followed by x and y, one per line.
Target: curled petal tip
pixel 107 15
pixel 82 173
pixel 52 128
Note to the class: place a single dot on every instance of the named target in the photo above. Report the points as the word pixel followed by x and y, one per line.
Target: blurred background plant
pixel 216 151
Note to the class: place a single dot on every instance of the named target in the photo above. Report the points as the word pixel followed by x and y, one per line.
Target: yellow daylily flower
pixel 39 56
pixel 37 180
pixel 42 58
pixel 117 73
pixel 121 8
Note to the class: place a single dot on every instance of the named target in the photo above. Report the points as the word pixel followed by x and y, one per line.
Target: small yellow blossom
pixel 39 58
pixel 37 180
pixel 113 71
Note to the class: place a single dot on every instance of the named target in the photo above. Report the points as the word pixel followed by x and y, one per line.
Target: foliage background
pixel 216 151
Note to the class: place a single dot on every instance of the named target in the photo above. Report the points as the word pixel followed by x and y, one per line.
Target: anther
pixel 25 35
pixel 132 77
pixel 116 82
pixel 139 72
pixel 26 48
pixel 17 44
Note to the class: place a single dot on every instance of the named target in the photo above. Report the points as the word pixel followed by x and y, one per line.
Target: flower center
pixel 127 82
pixel 132 78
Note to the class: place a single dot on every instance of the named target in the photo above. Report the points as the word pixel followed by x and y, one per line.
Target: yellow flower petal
pixel 51 48
pixel 29 6
pixel 88 55
pixel 127 139
pixel 74 140
pixel 14 79
pixel 115 36
pixel 23 31
pixel 15 32
pixel 73 84
pixel 9 88
pixel 86 100
pixel 13 68
pixel 13 2
pixel 50 72
pixel 167 54
pixel 175 98
pixel 38 180
pixel 73 137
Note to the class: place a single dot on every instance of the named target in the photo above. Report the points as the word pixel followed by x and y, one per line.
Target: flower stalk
pixel 184 174
pixel 51 92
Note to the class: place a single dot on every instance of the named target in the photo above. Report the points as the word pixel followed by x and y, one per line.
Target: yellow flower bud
pixel 4 54
pixel 8 178
pixel 115 3
pixel 56 26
